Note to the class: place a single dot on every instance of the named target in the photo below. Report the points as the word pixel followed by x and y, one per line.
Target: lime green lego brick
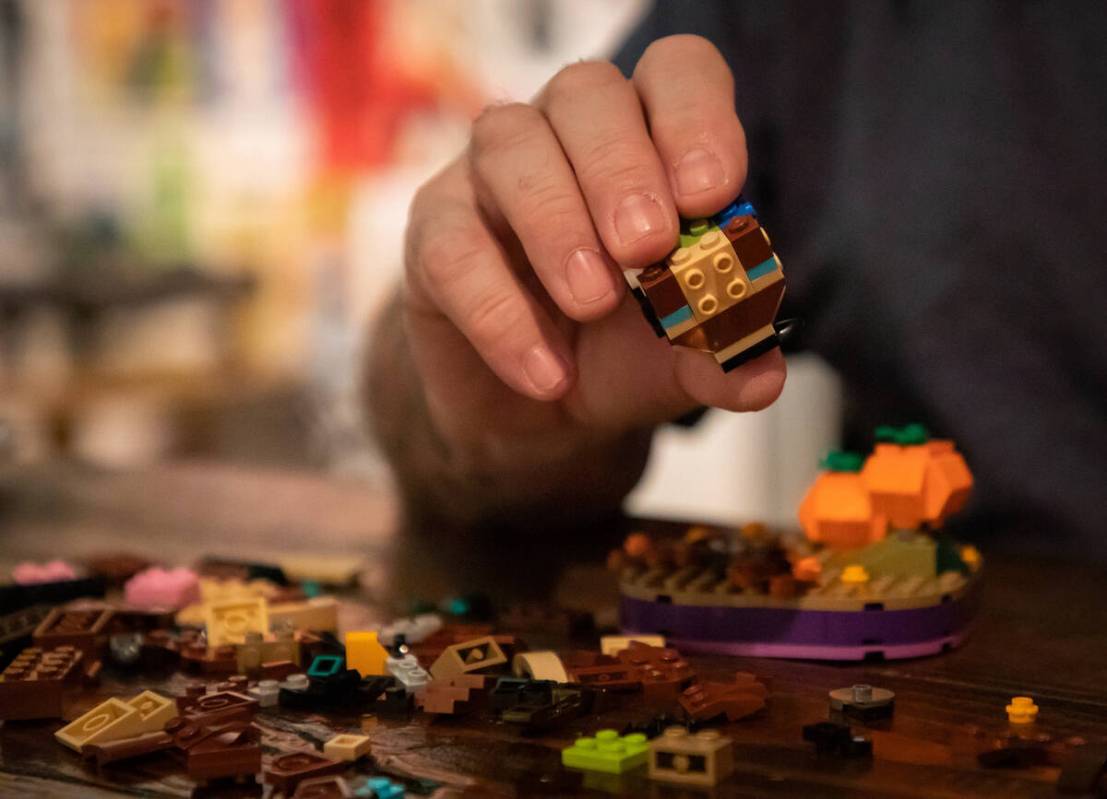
pixel 692 231
pixel 608 752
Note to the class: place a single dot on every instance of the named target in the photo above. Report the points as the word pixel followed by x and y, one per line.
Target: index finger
pixel 688 93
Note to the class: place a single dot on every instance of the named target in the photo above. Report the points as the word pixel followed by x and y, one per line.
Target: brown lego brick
pixel 737 322
pixel 127 748
pixel 663 671
pixel 86 630
pixel 749 240
pixel 606 676
pixel 286 772
pixel 450 696
pixel 33 684
pixel 222 706
pixel 278 669
pixel 662 290
pixel 200 659
pixel 332 787
pixel 233 750
pixel 708 700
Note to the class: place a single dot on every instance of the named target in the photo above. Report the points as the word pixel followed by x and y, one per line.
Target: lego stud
pixel 694 278
pixel 736 289
pixel 708 305
pixel 698 227
pixel 723 262
pixel 711 239
pixel 862 693
pixel 680 256
pixel 854 574
pixel 675 732
pixel 1022 710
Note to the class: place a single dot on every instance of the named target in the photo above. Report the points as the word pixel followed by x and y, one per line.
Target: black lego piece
pixel 837 740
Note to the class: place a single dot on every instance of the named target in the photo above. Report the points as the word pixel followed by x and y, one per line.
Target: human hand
pixel 519 321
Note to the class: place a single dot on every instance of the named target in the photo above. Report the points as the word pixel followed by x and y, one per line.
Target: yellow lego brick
pixel 228 622
pixel 154 710
pixel 347 747
pixel 325 569
pixel 614 644
pixel 108 721
pixel 364 653
pixel 709 274
pixel 319 613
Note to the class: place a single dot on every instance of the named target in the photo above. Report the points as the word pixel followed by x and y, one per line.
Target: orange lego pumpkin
pixel 917 485
pixel 837 510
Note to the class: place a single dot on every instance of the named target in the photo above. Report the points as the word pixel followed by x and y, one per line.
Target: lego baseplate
pixel 888 617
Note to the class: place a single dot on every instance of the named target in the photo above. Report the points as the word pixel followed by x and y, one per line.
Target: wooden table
pixel 1040 633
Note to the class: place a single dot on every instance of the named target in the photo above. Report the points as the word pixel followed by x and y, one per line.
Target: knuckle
pixel 444 255
pixel 583 76
pixel 502 127
pixel 491 319
pixel 614 162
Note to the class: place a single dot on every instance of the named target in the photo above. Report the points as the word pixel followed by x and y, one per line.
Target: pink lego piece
pixel 163 588
pixel 55 571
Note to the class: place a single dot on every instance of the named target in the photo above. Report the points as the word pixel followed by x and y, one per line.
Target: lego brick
pixel 662 290
pixel 662 670
pixel 86 630
pixel 735 700
pixel 364 653
pixel 33 685
pixel 752 346
pixel 917 484
pixel 257 649
pixel 266 693
pixel 232 750
pixel 449 696
pixel 1022 710
pixel 318 613
pixel 863 702
pixel 608 752
pixel 413 630
pixel 467 657
pixel 278 669
pixel 740 207
pixel 217 660
pixel 607 676
pixel 382 788
pixel 108 721
pixel 126 748
pixel 16 630
pixel 703 759
pixel 539 665
pixel 326 666
pixel 837 740
pixel 154 710
pixel 736 323
pixel 227 622
pixel 612 645
pixel 54 571
pixel 709 275
pixel 285 772
pixel 339 570
pixel 750 242
pixel 163 588
pixel 347 747
pixel 222 706
pixel 407 672
pixel 331 787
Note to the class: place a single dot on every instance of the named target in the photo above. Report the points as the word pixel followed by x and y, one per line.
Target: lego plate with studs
pixel 871 575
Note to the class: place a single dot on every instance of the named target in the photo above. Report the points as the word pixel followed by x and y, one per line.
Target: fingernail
pixel 638 216
pixel 699 170
pixel 544 370
pixel 588 276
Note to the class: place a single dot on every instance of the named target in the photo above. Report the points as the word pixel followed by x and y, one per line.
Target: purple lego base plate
pixel 807 634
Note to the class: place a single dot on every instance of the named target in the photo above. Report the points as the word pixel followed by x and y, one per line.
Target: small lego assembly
pixel 870 578
pixel 719 290
pixel 608 752
pixel 704 758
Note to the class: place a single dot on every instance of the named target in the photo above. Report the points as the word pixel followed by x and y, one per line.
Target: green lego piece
pixel 608 752
pixel 914 433
pixel 901 554
pixel 691 232
pixel 326 666
pixel 841 461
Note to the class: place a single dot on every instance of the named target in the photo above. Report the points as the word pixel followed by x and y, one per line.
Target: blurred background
pixel 201 209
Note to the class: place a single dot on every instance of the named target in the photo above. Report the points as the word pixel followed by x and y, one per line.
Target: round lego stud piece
pixel 694 278
pixel 736 289
pixel 723 262
pixel 708 305
pixel 698 227
pixel 1022 710
pixel 863 702
pixel 854 574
